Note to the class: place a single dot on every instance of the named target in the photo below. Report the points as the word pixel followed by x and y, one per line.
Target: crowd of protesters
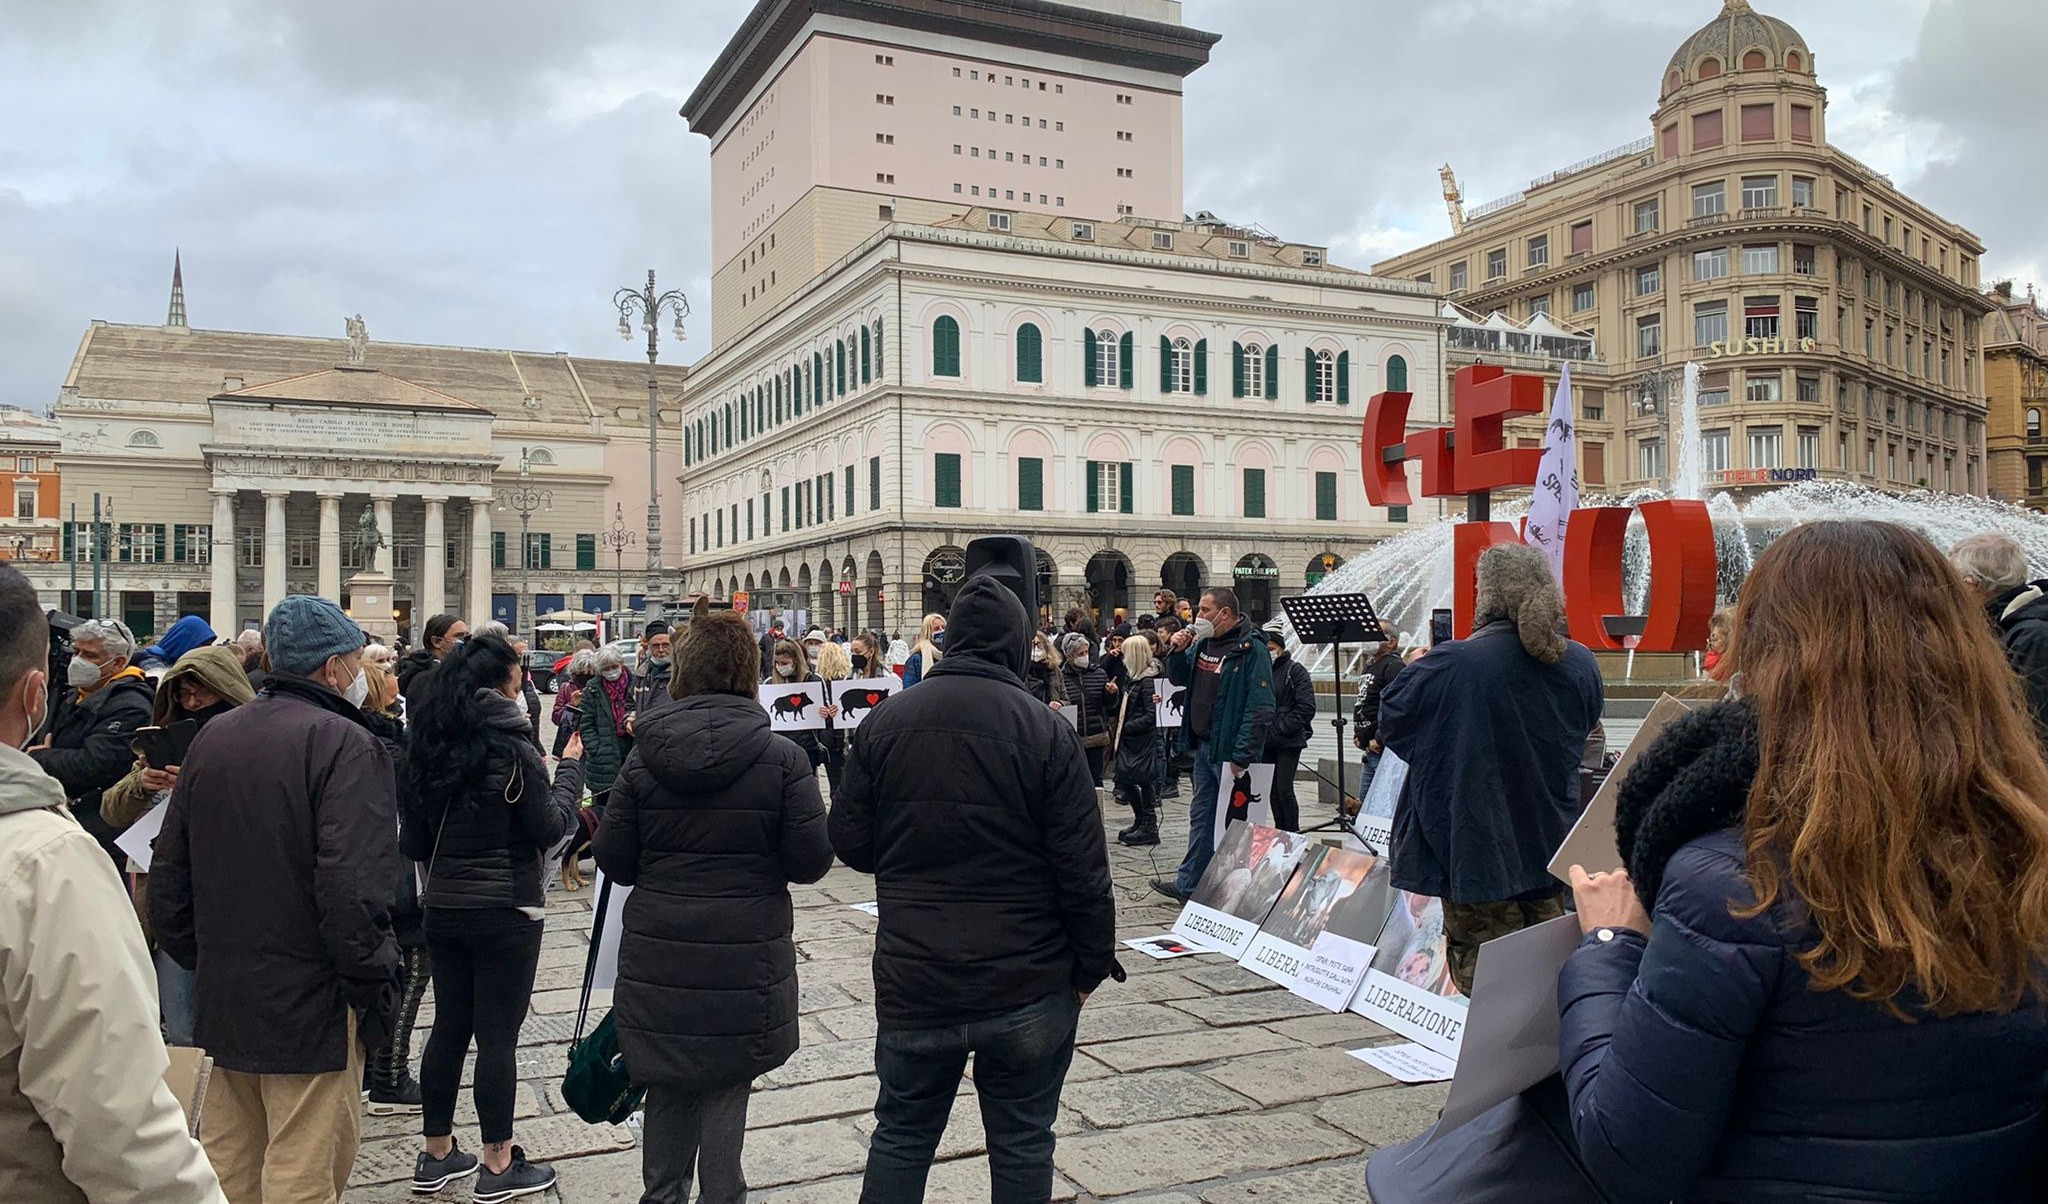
pixel 1847 866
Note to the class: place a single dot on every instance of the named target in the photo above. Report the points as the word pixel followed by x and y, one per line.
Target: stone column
pixel 479 609
pixel 273 548
pixel 225 619
pixel 433 595
pixel 381 563
pixel 330 547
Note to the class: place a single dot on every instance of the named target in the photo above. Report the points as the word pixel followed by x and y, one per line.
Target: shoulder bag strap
pixel 604 896
pixel 1123 710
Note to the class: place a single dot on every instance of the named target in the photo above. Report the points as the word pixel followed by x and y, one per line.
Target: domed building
pixel 1835 320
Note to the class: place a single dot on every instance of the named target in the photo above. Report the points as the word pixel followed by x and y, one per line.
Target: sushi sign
pixel 1472 458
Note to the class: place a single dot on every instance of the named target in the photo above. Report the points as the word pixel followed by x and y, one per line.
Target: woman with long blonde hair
pixel 834 664
pixel 925 653
pixel 1842 994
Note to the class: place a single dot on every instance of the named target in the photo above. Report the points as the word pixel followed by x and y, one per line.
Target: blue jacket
pixel 1703 1067
pixel 1493 738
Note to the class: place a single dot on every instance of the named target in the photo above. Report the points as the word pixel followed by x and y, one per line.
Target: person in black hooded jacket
pixel 478 814
pixel 971 804
pixel 712 818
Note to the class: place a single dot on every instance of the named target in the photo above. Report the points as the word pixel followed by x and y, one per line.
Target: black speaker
pixel 1011 560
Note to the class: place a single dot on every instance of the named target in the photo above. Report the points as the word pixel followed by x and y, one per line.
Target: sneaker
pixel 1169 889
pixel 519 1178
pixel 395 1100
pixel 431 1174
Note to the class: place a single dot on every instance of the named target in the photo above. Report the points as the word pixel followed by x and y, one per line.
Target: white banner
pixel 139 841
pixel 857 699
pixel 606 975
pixel 792 706
pixel 1246 798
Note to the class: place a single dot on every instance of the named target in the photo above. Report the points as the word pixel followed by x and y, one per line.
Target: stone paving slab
pixel 1118 1023
pixel 525 1104
pixel 1177 1049
pixel 1226 978
pixel 1290 1076
pixel 1316 1185
pixel 825 1100
pixel 848 1024
pixel 964 1136
pixel 1150 988
pixel 1387 1116
pixel 1260 1007
pixel 1179 1152
pixel 1138 1099
pixel 798 1153
pixel 841 1060
pixel 1347 1029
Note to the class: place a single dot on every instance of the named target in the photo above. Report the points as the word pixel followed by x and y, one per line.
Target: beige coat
pixel 84 1111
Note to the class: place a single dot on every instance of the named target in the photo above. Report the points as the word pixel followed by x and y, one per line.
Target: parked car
pixel 540 668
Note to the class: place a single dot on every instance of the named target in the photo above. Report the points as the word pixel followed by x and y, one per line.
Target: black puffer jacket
pixel 405 901
pixel 971 804
pixel 91 747
pixel 487 850
pixel 412 672
pixel 1085 688
pixel 1294 706
pixel 2022 618
pixel 710 821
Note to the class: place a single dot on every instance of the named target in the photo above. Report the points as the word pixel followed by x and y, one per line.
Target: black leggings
pixel 1286 811
pixel 483 979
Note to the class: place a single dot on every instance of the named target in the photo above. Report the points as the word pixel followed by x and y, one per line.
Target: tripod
pixel 1334 619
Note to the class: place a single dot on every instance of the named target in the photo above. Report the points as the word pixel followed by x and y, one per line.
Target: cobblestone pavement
pixel 1194 1081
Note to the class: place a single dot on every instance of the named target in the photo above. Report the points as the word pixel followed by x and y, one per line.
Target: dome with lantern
pixel 1739 39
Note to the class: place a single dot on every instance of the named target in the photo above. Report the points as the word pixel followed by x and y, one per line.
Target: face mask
pixel 938 639
pixel 37 715
pixel 1079 662
pixel 358 689
pixel 1038 655
pixel 784 668
pixel 613 674
pixel 659 662
pixel 82 674
pixel 860 662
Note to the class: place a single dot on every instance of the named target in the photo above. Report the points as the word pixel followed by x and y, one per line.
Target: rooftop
pixel 1204 239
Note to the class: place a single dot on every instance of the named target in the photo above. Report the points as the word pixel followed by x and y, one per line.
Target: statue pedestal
pixel 369 604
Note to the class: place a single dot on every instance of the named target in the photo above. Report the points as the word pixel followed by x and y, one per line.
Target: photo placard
pixel 1408 988
pixel 792 706
pixel 858 697
pixel 1244 879
pixel 1337 892
pixel 1246 798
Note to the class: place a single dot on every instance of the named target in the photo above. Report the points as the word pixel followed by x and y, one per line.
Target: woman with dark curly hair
pixel 477 812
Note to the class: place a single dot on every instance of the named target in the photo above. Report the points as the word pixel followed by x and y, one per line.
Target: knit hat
pixel 303 631
pixel 1071 643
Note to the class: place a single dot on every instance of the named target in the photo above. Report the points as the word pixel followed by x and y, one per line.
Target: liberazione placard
pixel 1408 988
pixel 1329 878
pixel 1244 879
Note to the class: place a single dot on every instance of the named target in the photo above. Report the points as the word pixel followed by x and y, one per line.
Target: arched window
pixel 1397 374
pixel 1792 61
pixel 1322 376
pixel 1254 371
pixel 1180 366
pixel 878 346
pixel 1709 68
pixel 2033 424
pixel 1030 354
pixel 1671 82
pixel 144 438
pixel 540 455
pixel 866 370
pixel 727 441
pixel 839 377
pixel 945 346
pixel 1754 61
pixel 1104 365
pixel 746 418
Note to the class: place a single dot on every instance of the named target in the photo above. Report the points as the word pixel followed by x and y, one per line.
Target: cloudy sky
pixel 486 173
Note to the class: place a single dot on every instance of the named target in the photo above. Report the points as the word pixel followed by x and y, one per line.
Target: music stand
pixel 1336 619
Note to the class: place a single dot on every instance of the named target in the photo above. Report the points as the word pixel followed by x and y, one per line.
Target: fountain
pixel 1409 575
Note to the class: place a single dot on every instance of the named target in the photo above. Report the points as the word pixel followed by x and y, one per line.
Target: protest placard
pixel 1408 988
pixel 1331 882
pixel 1591 841
pixel 1163 947
pixel 1408 1062
pixel 1169 701
pixel 1375 822
pixel 792 706
pixel 1244 879
pixel 139 841
pixel 858 698
pixel 1246 798
pixel 1511 1027
pixel 605 975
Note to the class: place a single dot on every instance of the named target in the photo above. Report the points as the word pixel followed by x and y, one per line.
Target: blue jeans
pixel 1201 821
pixel 1166 745
pixel 1020 1065
pixel 177 994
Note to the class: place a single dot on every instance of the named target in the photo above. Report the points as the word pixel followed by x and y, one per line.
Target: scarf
pixel 1693 780
pixel 617 692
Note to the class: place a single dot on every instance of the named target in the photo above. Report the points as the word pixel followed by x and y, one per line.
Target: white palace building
pixel 955 295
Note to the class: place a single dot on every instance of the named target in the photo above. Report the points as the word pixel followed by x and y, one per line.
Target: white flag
pixel 1557 481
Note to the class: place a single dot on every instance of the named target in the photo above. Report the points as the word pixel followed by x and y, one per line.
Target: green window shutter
pixel 1125 502
pixel 1326 496
pixel 1030 354
pixel 1397 375
pixel 1237 369
pixel 71 543
pixel 1030 483
pixel 866 369
pixel 178 543
pixel 1165 365
pixel 1397 514
pixel 945 347
pixel 1201 367
pixel 874 482
pixel 1255 493
pixel 586 550
pixel 817 383
pixel 547 550
pixel 1094 487
pixel 1127 346
pixel 1308 360
pixel 839 375
pixel 785 508
pixel 849 491
pixel 1273 373
pixel 1343 378
pixel 1183 489
pixel 946 480
pixel 497 549
pixel 1091 372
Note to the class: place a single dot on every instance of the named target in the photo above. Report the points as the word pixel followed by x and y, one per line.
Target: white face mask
pixel 613 674
pixel 358 689
pixel 82 674
pixel 35 720
pixel 1038 654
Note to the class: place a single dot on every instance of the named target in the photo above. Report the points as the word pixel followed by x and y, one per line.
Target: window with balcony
pixel 1710 264
pixel 1539 251
pixel 1538 306
pixel 1649 336
pixel 1458 276
pixel 1714 451
pixel 1764 446
pixel 1497 264
pixel 1759 192
pixel 1806 311
pixel 1803 259
pixel 1760 317
pixel 1710 200
pixel 1760 260
pixel 2033 425
pixel 1646 216
pixel 1764 386
pixel 1709 324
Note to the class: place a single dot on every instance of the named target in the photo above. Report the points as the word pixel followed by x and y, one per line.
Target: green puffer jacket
pixel 605 742
pixel 1244 698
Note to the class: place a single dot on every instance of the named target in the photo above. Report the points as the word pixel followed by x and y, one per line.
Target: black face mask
pixel 860 662
pixel 205 713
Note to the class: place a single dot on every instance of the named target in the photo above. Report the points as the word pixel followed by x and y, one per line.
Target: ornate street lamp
pixel 648 306
pixel 524 499
pixel 618 539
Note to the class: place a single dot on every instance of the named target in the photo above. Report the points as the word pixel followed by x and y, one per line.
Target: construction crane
pixel 1454 200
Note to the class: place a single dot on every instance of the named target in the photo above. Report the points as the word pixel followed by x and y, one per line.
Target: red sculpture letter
pixel 1487 397
pixel 1386 429
pixel 1683 571
pixel 1592 572
pixel 1469 540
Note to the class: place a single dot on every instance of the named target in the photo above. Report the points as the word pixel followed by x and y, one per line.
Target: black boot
pixel 1146 831
pixel 392 1088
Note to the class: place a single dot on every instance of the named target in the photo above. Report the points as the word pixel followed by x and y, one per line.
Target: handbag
pixel 1099 739
pixel 596 1086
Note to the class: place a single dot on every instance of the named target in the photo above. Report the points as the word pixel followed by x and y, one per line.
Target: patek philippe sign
pixel 1727 348
pixel 346 428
